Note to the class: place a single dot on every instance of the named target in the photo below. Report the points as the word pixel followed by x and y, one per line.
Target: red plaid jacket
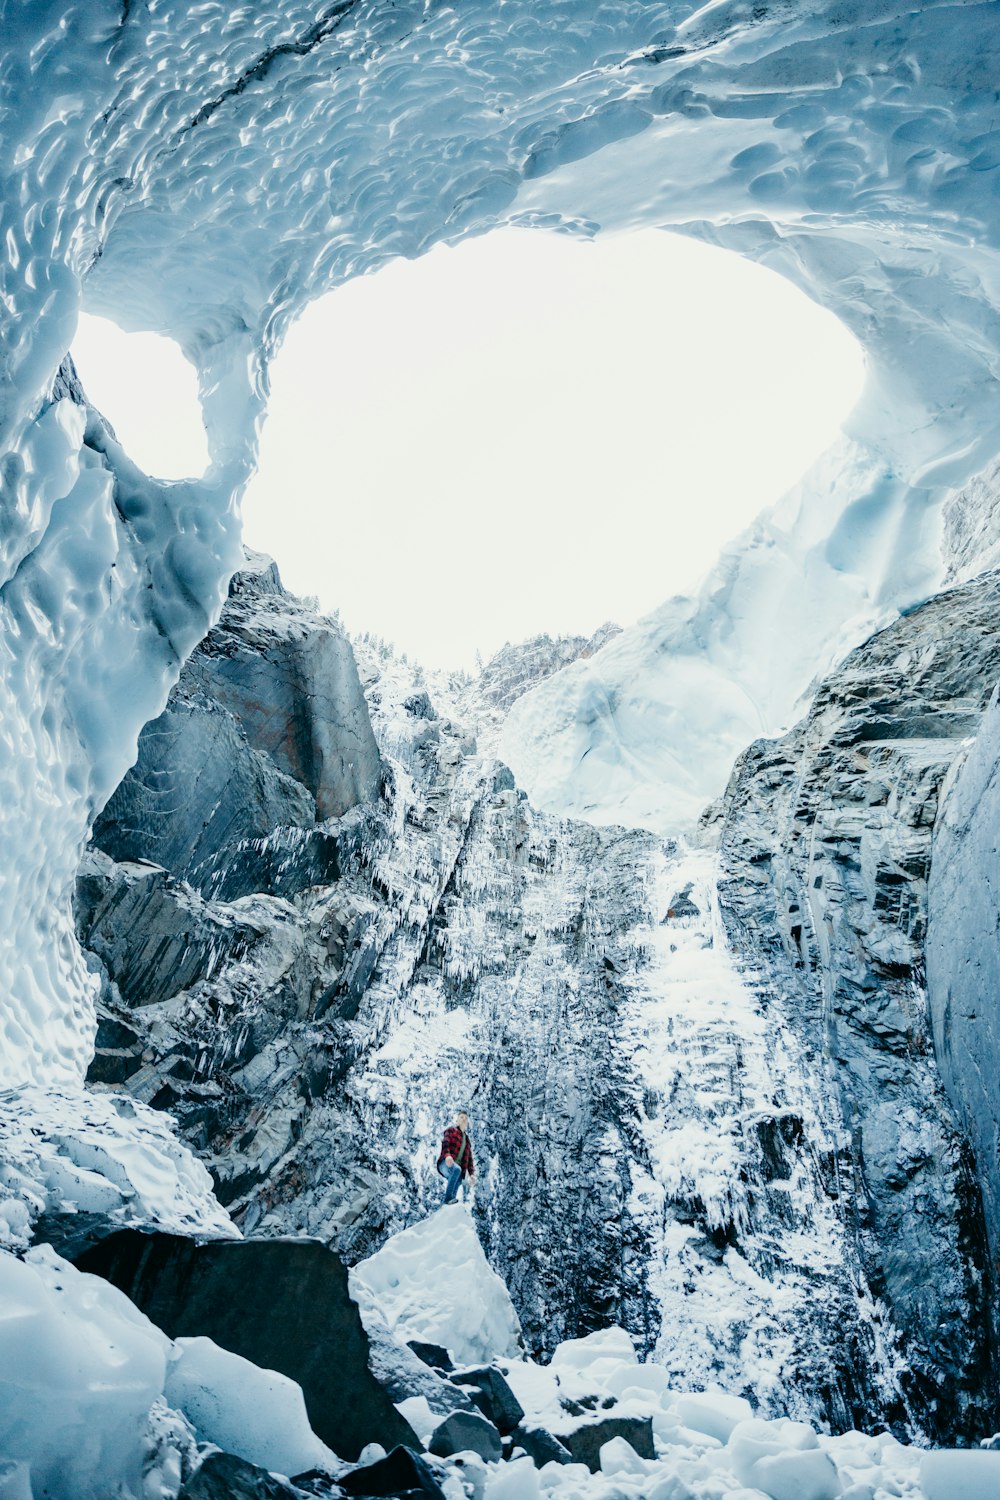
pixel 449 1147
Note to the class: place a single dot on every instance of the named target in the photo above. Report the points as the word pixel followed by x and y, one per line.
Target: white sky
pixel 527 433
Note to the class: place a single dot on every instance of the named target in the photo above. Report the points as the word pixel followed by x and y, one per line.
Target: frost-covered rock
pixel 268 730
pixel 826 849
pixel 963 953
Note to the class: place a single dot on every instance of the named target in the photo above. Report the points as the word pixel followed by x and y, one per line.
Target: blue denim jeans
pixel 452 1176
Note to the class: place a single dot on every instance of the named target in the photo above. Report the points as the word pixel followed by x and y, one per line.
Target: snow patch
pixel 432 1282
pixel 69 1151
pixel 258 1414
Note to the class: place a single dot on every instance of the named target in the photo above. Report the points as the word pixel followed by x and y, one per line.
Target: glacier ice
pixel 80 1368
pixel 204 172
pixel 259 1415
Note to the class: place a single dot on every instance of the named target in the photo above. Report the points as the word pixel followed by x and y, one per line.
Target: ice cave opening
pixel 718 920
pixel 537 433
pixel 148 392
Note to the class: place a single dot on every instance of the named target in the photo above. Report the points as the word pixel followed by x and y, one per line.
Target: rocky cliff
pixel 311 997
pixel 826 853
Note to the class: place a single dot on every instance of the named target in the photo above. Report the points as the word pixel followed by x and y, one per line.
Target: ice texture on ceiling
pixel 203 170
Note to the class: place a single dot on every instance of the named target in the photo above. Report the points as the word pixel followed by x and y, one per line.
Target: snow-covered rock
pixel 75 1163
pixel 433 1282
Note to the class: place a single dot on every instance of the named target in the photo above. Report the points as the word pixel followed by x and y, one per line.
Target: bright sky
pixel 527 433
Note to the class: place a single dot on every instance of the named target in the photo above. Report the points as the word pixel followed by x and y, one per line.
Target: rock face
pixel 963 958
pixel 659 1138
pixel 268 731
pixel 826 849
pixel 283 1304
pixel 445 919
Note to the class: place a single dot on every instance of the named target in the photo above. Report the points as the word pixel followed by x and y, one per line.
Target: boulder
pixel 402 1375
pixel 492 1395
pixel 281 1303
pixel 266 732
pixel 225 1477
pixel 465 1431
pixel 401 1473
pixel 540 1446
pixel 585 1441
pixel 435 1355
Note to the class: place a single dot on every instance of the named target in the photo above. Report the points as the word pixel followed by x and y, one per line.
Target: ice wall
pixel 203 171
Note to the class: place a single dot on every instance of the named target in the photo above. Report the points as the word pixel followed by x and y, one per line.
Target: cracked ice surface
pixel 205 170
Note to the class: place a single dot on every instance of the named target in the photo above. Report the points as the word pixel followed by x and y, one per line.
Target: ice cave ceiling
pixel 204 170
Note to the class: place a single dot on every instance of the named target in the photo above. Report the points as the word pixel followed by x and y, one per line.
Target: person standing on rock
pixel 455 1162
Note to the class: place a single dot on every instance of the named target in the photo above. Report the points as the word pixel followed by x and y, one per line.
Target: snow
pixel 67 1151
pixel 432 1282
pixel 258 1414
pixel 80 1368
pixel 950 1473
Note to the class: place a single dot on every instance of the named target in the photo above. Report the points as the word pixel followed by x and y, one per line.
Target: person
pixel 455 1162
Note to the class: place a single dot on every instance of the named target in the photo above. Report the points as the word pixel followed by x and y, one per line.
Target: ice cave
pixel 697 921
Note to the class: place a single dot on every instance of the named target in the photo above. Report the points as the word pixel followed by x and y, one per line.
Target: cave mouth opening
pixel 528 433
pixel 535 433
pixel 148 391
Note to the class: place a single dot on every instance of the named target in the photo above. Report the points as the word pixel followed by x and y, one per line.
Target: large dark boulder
pixel 540 1446
pixel 224 1477
pixel 284 1304
pixel 401 1473
pixel 585 1441
pixel 466 1432
pixel 435 1355
pixel 494 1397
